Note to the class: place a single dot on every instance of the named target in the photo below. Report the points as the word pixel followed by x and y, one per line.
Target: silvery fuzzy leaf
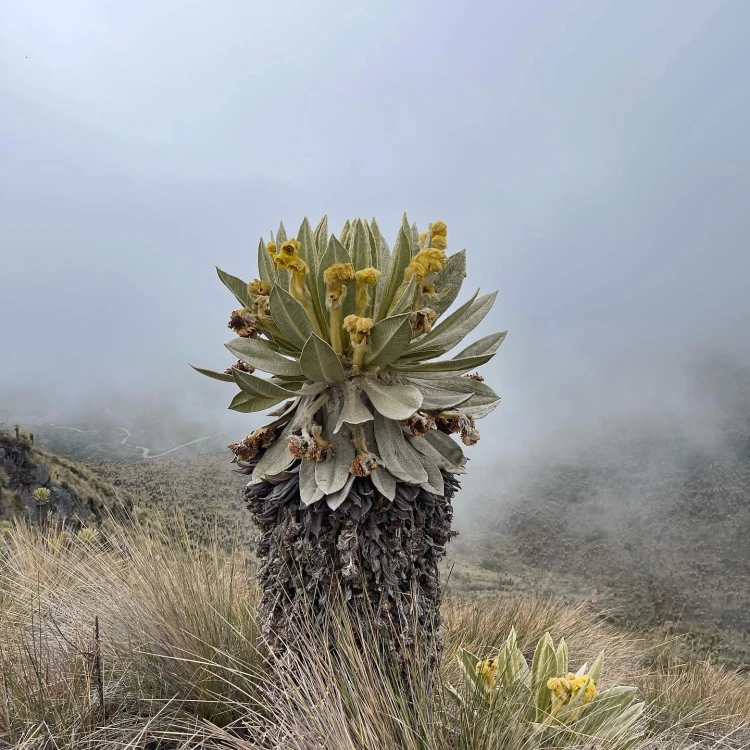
pixel 282 275
pixel 468 663
pixel 237 287
pixel 419 356
pixel 346 233
pixel 226 377
pixel 374 249
pixel 257 353
pixel 450 278
pixel 383 264
pixel 360 246
pixel 287 406
pixel 427 449
pixel 444 365
pixel 607 718
pixel 277 458
pixel 446 446
pixel 397 455
pixel 439 399
pixel 289 317
pixel 483 399
pixel 308 253
pixel 392 401
pixel 385 482
pixel 460 327
pixel 405 299
pixel 447 324
pixel 319 362
pixel 246 404
pixel 399 261
pixel 258 387
pixel 486 345
pixel 311 389
pixel 595 673
pixel 414 239
pixel 335 499
pixel 282 476
pixel 354 410
pixel 389 339
pixel 434 483
pixel 320 235
pixel 282 346
pixel 543 665
pixel 407 230
pixel 309 492
pixel 331 475
pixel 266 268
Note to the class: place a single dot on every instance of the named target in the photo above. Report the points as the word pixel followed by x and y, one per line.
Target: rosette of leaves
pixel 357 341
pixel 553 700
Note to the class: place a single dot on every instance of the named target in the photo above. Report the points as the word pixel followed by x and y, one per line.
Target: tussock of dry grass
pixel 182 661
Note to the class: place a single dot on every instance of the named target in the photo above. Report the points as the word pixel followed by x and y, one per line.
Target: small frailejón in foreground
pixel 353 479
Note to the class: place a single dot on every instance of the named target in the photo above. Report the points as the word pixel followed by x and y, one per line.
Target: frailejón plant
pixel 554 700
pixel 41 495
pixel 354 338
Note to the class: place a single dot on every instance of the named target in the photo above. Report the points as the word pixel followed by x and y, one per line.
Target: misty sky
pixel 591 156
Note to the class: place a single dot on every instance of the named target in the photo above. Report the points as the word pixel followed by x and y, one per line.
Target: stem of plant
pixel 334 315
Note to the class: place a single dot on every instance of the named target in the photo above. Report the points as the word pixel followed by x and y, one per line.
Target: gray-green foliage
pixel 557 702
pixel 353 337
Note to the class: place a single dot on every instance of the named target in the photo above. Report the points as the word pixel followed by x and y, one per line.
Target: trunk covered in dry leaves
pixel 382 555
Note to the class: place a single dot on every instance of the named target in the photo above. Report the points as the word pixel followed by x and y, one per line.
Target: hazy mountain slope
pixel 78 495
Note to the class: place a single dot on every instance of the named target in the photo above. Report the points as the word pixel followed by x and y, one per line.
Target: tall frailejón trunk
pixel 383 557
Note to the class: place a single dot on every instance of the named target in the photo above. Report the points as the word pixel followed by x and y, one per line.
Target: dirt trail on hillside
pixel 146 452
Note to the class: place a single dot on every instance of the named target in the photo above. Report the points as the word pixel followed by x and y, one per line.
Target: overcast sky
pixel 591 156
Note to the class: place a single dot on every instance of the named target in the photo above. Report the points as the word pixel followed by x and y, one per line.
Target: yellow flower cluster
pixel 439 229
pixel 427 261
pixel 566 688
pixel 258 287
pixel 358 328
pixel 338 273
pixel 363 280
pixel 288 257
pixel 486 671
pixel 367 276
pixel 334 278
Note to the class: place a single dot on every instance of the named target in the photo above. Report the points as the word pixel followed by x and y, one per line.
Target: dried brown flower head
pixel 453 422
pixel 420 424
pixel 248 448
pixel 310 445
pixel 241 366
pixel 422 320
pixel 244 323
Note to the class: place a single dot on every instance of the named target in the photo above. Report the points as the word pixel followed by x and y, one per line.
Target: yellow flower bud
pixel 422 239
pixel 439 242
pixel 290 249
pixel 338 273
pixel 258 287
pixel 417 269
pixel 271 247
pixel 368 276
pixel 439 228
pixel 433 258
pixel 357 326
